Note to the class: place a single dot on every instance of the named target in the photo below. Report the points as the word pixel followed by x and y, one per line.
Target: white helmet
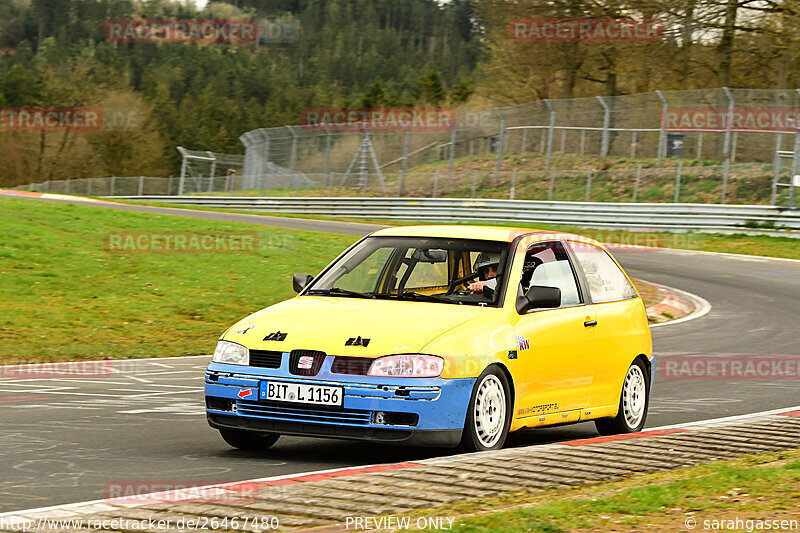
pixel 486 259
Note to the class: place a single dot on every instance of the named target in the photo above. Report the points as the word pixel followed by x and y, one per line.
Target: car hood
pixel 326 324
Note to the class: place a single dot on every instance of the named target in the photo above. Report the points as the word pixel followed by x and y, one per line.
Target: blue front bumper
pixel 420 411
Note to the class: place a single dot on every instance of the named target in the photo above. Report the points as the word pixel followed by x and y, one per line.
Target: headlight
pixel 407 366
pixel 231 353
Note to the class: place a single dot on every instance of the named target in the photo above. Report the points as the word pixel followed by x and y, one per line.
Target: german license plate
pixel 279 391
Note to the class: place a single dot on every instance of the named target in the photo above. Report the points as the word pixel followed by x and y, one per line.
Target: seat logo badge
pixel 245 330
pixel 305 362
pixel 244 393
pixel 357 341
pixel 276 336
pixel 512 354
pixel 522 343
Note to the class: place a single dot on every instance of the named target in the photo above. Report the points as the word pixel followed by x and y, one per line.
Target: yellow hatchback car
pixel 440 336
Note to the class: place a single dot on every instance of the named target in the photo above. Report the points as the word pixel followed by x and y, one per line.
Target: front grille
pixel 265 359
pixel 316 414
pixel 310 361
pixel 357 366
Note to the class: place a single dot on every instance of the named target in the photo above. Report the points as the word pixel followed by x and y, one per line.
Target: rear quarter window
pixel 607 282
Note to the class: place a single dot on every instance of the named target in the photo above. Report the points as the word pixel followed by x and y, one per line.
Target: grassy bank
pixel 64 296
pixel 757 487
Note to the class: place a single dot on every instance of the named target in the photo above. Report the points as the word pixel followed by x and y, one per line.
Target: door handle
pixel 590 323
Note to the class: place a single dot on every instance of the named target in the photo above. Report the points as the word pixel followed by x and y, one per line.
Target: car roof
pixel 484 233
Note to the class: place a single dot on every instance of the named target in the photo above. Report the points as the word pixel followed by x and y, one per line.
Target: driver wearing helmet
pixel 486 266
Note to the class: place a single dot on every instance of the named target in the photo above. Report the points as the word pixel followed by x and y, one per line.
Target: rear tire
pixel 633 403
pixel 248 440
pixel 489 414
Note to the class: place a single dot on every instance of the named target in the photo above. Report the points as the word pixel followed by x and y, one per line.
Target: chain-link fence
pixel 748 183
pixel 709 146
pixel 659 126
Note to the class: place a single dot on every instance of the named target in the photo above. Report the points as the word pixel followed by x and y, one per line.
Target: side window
pixel 606 281
pixel 548 264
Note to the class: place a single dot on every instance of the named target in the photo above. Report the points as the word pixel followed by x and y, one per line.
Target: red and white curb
pixel 235 489
pixel 52 196
pixel 678 302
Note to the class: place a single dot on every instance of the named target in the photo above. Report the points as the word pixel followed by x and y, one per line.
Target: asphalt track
pixel 68 440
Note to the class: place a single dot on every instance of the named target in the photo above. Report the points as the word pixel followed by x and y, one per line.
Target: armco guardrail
pixel 667 217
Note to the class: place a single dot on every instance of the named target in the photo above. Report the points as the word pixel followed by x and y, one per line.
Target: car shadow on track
pixel 334 453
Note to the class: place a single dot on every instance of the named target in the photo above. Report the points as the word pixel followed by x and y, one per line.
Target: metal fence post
pixel 451 162
pixel 726 150
pixel 113 183
pixel 583 142
pixel 213 171
pixel 500 142
pixel 330 187
pixel 66 186
pixel 169 185
pixel 89 187
pixel 633 144
pixel 662 134
pixel 733 146
pixel 552 187
pixel 405 163
pixel 47 186
pixel 636 183
pixel 606 121
pixel 141 185
pixel 436 183
pixel 795 166
pixel 563 140
pixel 524 139
pixel 699 145
pixel 588 183
pixel 678 182
pixel 293 159
pixel 474 182
pixel 550 130
pixel 327 166
pixel 776 170
pixel 513 183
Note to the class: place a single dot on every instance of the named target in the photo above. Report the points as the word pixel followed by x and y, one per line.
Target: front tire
pixel 248 440
pixel 633 403
pixel 489 414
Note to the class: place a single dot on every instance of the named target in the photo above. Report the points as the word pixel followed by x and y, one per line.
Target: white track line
pixel 701 306
pixel 726 419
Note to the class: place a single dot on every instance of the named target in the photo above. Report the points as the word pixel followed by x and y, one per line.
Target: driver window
pixel 548 265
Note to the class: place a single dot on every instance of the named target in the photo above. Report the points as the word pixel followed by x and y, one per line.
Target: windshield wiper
pixel 425 297
pixel 342 292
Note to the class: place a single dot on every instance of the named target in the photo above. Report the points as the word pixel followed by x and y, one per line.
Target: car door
pixel 622 331
pixel 554 346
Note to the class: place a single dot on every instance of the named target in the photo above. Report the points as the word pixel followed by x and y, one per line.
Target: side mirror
pixel 300 281
pixel 538 297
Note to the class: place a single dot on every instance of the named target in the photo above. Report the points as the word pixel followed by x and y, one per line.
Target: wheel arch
pixel 512 390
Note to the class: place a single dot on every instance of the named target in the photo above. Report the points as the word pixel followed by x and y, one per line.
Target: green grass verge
pixel 64 297
pixel 753 487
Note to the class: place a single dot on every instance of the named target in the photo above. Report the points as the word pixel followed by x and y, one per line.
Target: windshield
pixel 449 271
